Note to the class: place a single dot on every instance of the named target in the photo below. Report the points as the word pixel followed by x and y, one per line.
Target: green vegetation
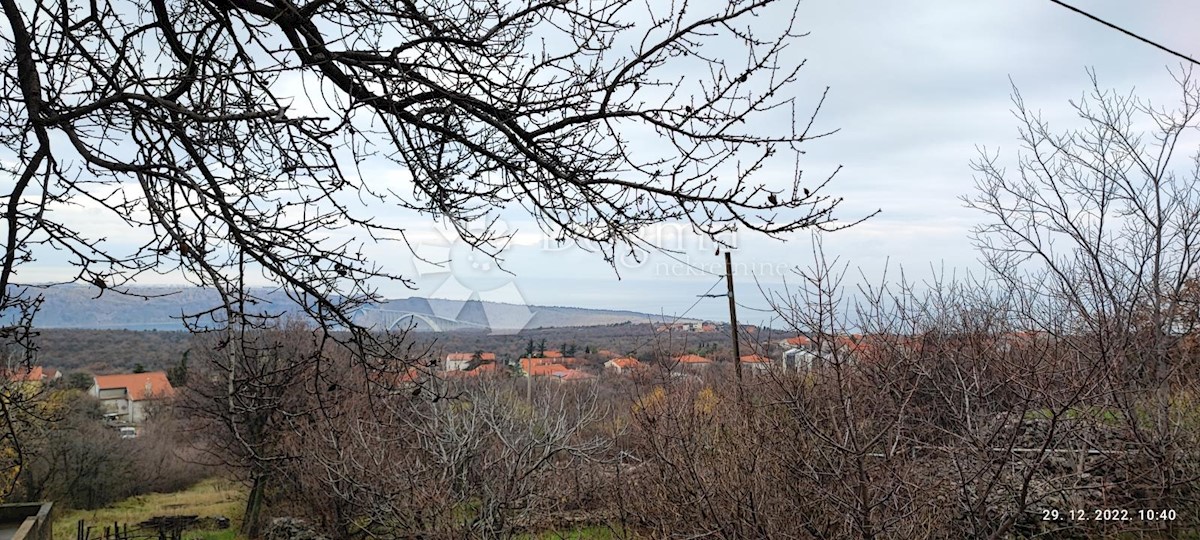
pixel 1183 407
pixel 210 498
pixel 227 534
pixel 220 497
pixel 593 532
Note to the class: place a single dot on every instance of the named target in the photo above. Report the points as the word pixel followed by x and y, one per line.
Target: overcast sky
pixel 916 87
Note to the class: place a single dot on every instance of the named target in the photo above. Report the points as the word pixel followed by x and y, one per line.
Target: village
pixel 129 399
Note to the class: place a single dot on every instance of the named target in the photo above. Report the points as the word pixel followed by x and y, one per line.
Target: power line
pixel 690 265
pixel 699 298
pixel 1126 32
pixel 681 315
pixel 744 306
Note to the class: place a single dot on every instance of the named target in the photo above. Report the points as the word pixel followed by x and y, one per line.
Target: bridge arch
pixel 431 322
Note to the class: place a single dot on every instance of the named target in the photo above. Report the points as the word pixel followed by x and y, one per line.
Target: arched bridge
pixel 389 319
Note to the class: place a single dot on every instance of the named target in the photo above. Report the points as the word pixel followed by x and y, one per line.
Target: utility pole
pixel 737 351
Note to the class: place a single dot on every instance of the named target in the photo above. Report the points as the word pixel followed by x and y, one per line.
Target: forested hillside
pixel 109 351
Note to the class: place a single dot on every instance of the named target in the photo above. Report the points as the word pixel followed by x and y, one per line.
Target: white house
pixel 127 397
pixel 462 361
pixel 798 359
pixel 756 363
pixel 623 364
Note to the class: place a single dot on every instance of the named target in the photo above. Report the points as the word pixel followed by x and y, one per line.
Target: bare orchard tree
pixel 248 393
pixel 850 411
pixel 226 136
pixel 819 452
pixel 264 402
pixel 22 405
pixel 1104 221
pixel 932 411
pixel 487 464
pixel 999 414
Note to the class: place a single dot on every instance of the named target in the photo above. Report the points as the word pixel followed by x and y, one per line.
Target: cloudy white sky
pixel 916 88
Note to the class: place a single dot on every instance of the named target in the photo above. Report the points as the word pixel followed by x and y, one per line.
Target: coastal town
pixel 599 270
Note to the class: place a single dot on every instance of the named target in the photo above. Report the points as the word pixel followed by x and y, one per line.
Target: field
pixel 218 497
pixel 210 498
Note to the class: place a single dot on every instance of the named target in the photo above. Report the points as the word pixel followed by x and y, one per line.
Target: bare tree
pixel 227 135
pixel 1101 224
pixel 850 412
pixel 22 404
pixel 928 411
pixel 485 464
pixel 249 392
pixel 175 117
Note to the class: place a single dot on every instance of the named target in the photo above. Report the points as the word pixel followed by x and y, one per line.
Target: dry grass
pixel 212 497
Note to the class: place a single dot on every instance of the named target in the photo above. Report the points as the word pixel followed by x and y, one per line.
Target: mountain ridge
pixel 162 307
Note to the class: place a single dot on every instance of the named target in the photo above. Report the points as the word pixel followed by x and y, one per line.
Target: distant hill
pixel 121 351
pixel 77 306
pixel 109 351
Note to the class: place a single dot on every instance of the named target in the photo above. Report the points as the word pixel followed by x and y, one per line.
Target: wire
pixel 690 265
pixel 744 306
pixel 680 316
pixel 1126 32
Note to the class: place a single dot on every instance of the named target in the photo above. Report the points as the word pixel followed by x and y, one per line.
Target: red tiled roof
pixel 799 341
pixel 527 362
pixel 574 375
pixel 545 369
pixel 34 373
pixel 139 385
pixel 481 370
pixel 625 362
pixel 552 354
pixel 395 377
pixel 692 359
pixel 410 375
pixel 848 342
pixel 755 359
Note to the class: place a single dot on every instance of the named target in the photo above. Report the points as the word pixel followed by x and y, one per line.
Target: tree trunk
pixel 251 523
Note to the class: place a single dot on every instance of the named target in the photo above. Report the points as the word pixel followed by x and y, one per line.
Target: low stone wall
pixel 36 520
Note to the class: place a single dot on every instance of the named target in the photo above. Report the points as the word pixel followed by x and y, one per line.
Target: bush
pixel 76 460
